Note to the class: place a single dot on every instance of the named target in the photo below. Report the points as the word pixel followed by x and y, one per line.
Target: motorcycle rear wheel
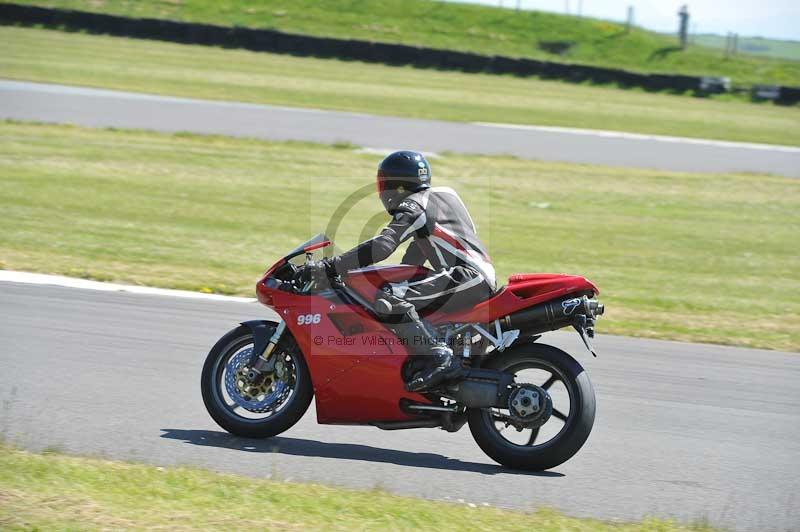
pixel 237 420
pixel 577 423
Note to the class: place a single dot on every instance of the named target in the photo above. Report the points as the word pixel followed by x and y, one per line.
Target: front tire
pixel 237 420
pixel 577 423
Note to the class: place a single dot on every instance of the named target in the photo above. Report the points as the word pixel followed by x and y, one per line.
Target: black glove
pixel 323 270
pixel 330 264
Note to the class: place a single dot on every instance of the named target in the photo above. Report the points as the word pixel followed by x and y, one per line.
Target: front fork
pixel 263 347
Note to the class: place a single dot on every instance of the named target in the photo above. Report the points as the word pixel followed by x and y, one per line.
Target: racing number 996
pixel 308 319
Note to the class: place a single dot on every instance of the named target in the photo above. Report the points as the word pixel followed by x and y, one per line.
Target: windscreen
pixel 318 239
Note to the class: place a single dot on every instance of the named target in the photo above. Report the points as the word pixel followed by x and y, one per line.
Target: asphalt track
pixel 694 432
pixel 105 108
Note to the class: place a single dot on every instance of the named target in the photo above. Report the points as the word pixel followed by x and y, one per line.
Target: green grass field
pixel 708 258
pixel 481 29
pixel 197 71
pixel 54 492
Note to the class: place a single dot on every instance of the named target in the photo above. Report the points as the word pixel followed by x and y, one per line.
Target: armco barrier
pixel 789 95
pixel 266 40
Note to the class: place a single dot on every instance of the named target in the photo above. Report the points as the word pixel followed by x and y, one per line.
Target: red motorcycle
pixel 529 405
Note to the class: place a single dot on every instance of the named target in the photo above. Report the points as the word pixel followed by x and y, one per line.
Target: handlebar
pixel 312 274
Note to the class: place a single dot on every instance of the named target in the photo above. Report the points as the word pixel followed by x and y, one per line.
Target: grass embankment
pixel 197 71
pixel 481 29
pixel 709 258
pixel 754 45
pixel 55 492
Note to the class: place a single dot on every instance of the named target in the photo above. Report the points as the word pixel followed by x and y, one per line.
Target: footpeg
pixel 448 367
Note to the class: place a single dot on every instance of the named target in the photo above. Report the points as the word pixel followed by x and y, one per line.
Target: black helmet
pixel 399 175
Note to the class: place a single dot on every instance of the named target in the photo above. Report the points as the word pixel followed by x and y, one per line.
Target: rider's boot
pixel 442 364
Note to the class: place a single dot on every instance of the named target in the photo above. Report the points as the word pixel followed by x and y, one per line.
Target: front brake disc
pixel 261 397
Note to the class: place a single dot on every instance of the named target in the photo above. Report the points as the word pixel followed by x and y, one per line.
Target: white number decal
pixel 309 319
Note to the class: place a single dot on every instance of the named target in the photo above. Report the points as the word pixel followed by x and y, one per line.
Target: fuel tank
pixel 367 281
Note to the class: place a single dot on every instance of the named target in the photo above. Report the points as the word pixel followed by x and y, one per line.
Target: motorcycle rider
pixel 443 235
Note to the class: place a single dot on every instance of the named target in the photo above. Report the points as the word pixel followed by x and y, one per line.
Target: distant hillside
pixel 756 46
pixel 466 27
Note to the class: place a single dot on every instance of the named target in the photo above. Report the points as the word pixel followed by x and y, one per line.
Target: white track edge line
pixel 11 276
pixel 642 136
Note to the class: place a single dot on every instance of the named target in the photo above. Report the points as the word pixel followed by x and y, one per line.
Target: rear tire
pixel 277 422
pixel 576 429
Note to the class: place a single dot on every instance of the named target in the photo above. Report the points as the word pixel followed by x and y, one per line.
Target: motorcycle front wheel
pixel 566 429
pixel 259 409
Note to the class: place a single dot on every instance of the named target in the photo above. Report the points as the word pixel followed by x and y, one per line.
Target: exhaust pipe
pixel 552 315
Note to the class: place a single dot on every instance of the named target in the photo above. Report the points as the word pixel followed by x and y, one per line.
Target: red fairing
pixel 538 283
pixel 523 291
pixel 356 373
pixel 270 270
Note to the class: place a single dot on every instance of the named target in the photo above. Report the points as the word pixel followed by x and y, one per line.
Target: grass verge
pixel 708 258
pixel 55 492
pixel 214 73
pixel 763 46
pixel 482 29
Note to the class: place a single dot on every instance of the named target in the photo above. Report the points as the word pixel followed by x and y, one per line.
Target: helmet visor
pixel 381 181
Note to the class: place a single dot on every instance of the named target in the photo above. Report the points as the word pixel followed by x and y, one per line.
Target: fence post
pixel 683 32
pixel 629 22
